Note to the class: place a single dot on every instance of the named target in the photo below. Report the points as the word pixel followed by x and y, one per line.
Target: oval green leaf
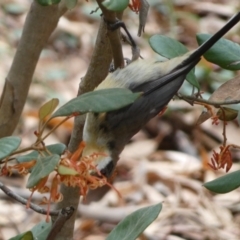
pixel 28 157
pixel 48 108
pixel 171 48
pixel 135 223
pixel 191 78
pixel 48 2
pixel 43 167
pixel 63 170
pixel 41 230
pixel 8 145
pixel 224 184
pixel 224 53
pixel 103 100
pixel 57 148
pixel 166 46
pixel 23 236
pixel 115 5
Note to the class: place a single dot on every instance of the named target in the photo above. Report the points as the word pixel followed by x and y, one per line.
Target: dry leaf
pixel 228 91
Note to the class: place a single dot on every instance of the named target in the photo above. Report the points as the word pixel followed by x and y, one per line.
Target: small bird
pixel 109 132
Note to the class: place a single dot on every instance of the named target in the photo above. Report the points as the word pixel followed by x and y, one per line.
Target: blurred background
pixel 167 160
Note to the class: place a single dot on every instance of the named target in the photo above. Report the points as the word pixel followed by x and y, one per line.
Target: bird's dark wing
pixel 159 92
pixel 156 95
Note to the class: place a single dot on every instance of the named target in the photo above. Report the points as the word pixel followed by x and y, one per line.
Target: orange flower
pixel 135 5
pixel 73 170
pixel 41 187
pixel 5 171
pixel 55 195
pixel 22 168
pixel 77 171
pixel 222 159
pixel 215 120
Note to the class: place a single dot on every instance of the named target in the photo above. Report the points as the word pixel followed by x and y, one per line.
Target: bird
pixel 109 132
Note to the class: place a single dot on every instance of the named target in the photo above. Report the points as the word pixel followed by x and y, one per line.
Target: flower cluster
pixel 135 5
pixel 77 171
pixel 22 168
pixel 73 170
pixel 222 159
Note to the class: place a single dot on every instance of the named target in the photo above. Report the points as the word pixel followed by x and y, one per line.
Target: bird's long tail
pixel 211 41
pixel 185 67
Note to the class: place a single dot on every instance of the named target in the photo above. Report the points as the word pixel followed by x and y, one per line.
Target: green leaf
pixel 171 48
pixel 166 46
pixel 115 5
pixel 224 53
pixel 58 149
pixel 43 167
pixel 48 108
pixel 8 145
pixel 48 2
pixel 70 4
pixel 63 170
pixel 41 230
pixel 135 223
pixel 191 78
pixel 23 236
pixel 224 184
pixel 28 157
pixel 103 100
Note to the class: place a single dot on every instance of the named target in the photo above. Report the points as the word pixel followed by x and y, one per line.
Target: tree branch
pixel 63 216
pixel 24 201
pixel 40 23
pixel 97 71
pixel 108 46
pixel 209 102
pixel 113 36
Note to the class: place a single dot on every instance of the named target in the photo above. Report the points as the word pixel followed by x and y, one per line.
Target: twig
pixel 224 128
pixel 107 46
pixel 16 152
pixel 213 103
pixel 55 127
pixel 113 36
pixel 24 201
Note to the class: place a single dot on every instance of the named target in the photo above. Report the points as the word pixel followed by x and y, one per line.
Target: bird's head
pixel 99 143
pixel 102 158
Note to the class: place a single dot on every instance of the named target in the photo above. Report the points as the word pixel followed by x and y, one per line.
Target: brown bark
pixel 40 23
pixel 108 46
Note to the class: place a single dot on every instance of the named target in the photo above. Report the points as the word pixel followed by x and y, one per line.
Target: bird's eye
pixel 107 171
